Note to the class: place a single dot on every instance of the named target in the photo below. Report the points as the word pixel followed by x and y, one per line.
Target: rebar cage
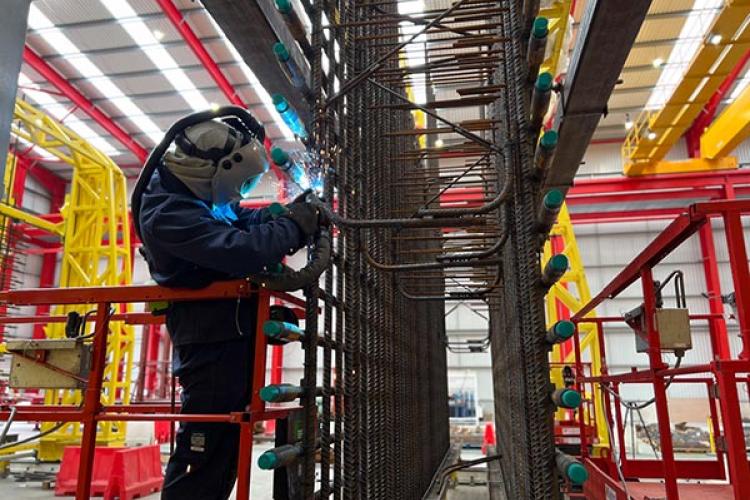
pixel 407 242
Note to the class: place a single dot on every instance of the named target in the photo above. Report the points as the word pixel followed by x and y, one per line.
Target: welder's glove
pixel 308 217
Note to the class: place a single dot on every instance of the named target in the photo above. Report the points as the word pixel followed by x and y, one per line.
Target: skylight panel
pixel 57 39
pixel 690 40
pixel 160 57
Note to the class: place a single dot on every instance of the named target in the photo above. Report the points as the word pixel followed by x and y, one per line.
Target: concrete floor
pixel 261 484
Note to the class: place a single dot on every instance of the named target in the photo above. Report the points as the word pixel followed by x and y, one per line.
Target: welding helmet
pixel 217 161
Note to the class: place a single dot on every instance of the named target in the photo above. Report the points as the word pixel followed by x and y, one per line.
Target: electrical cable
pixel 34 437
pixel 641 406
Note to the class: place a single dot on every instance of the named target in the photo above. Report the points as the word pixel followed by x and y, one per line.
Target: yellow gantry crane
pixel 654 133
pixel 95 233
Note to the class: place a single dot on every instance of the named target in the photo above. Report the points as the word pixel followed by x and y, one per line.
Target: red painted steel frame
pixel 724 372
pixel 92 411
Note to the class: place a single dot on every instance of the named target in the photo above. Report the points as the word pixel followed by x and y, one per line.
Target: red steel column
pixel 660 391
pixel 195 44
pixel 734 434
pixel 92 402
pixel 740 274
pixel 717 326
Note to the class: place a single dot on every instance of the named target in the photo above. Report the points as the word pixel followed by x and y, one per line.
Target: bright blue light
pixel 249 185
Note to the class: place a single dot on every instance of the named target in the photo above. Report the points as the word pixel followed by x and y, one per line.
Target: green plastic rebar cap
pixel 544 81
pixel 283 6
pixel 279 156
pixel 540 28
pixel 272 328
pixel 270 393
pixel 268 460
pixel 565 329
pixel 553 199
pixel 559 262
pixel 549 139
pixel 280 103
pixel 280 50
pixel 577 473
pixel 570 398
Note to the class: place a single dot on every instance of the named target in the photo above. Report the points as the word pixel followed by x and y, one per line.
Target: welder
pixel 195 233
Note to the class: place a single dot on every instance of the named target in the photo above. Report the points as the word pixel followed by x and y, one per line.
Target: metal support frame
pixel 723 371
pixel 93 412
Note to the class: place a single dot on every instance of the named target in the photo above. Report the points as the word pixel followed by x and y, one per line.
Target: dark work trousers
pixel 215 378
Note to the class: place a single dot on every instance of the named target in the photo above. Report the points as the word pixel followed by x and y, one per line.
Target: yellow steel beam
pixel 729 129
pixel 558 14
pixel 691 165
pixel 655 133
pixel 14 213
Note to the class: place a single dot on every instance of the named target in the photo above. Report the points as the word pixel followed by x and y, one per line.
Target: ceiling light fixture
pixel 158 34
pixel 658 62
pixel 628 122
pixel 651 135
pixel 439 143
pixel 715 39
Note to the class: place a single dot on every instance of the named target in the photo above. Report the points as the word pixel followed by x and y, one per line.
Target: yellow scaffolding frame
pixel 572 290
pixel 96 252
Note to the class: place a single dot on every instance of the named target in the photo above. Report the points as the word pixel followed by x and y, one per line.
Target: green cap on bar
pixel 268 460
pixel 544 81
pixel 283 6
pixel 558 262
pixel 280 50
pixel 279 156
pixel 549 139
pixel 553 199
pixel 577 473
pixel 564 329
pixel 570 398
pixel 540 28
pixel 280 103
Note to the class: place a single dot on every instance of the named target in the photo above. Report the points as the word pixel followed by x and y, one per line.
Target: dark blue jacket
pixel 187 245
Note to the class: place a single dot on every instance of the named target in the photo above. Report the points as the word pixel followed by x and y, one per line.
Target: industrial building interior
pixel 528 277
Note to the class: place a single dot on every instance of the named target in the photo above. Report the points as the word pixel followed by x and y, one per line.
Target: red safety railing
pixel 92 411
pixel 721 373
